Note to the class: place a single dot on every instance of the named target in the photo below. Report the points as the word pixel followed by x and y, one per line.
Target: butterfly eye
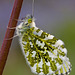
pixel 29 20
pixel 26 24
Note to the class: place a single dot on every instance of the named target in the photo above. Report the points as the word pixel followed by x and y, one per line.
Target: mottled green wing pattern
pixel 45 54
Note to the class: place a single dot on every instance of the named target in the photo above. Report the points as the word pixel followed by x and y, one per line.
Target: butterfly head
pixel 29 19
pixel 27 22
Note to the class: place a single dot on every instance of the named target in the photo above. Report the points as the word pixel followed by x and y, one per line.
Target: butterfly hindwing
pixel 44 53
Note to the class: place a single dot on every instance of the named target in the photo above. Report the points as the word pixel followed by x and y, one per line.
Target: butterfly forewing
pixel 45 54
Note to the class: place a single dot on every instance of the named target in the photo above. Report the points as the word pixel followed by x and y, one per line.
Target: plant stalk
pixel 9 33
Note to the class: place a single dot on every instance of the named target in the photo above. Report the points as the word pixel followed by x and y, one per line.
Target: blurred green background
pixel 56 17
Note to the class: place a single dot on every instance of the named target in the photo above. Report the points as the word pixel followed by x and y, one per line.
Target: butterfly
pixel 45 54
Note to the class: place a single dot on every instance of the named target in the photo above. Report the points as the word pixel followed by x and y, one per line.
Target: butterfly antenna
pixel 33 8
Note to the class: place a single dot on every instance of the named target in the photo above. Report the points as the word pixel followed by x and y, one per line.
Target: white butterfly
pixel 45 54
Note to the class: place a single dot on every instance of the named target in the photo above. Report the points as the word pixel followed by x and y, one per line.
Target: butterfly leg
pixel 12 37
pixel 11 28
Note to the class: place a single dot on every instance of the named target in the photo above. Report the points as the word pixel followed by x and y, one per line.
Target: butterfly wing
pixel 45 54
